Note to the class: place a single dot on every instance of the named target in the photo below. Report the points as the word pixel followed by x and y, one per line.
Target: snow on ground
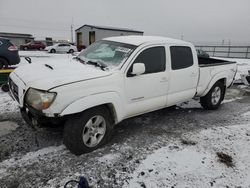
pixel 197 164
pixel 6 103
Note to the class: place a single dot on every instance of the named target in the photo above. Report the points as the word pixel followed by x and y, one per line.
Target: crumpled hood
pixel 64 71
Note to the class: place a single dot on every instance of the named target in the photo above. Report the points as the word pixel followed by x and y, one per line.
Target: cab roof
pixel 138 40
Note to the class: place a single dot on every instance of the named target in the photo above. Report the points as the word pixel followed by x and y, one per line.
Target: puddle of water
pixel 7 127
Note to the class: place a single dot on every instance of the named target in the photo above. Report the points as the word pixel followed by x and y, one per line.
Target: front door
pixel 148 91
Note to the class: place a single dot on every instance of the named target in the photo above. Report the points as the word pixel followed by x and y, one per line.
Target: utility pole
pixel 223 42
pixel 71 29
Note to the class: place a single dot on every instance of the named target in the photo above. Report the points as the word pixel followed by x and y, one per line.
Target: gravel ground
pixel 37 158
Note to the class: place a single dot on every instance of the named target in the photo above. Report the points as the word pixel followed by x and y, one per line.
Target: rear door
pixel 184 74
pixel 148 91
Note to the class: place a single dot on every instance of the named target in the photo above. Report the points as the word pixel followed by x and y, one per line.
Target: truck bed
pixel 206 62
pixel 210 68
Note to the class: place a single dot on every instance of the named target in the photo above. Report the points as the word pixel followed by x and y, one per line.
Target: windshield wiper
pixel 79 59
pixel 97 64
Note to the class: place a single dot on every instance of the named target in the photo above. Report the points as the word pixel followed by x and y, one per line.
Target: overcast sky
pixel 195 20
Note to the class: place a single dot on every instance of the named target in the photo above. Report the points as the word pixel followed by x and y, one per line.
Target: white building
pixel 87 34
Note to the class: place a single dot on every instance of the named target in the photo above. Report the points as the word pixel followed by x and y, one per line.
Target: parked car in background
pixel 61 48
pixel 34 45
pixel 202 53
pixel 8 53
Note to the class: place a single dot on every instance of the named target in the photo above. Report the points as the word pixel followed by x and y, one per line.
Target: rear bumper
pixel 14 59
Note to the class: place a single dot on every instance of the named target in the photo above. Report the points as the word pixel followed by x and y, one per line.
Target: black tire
pixel 208 102
pixel 25 48
pixel 40 49
pixel 71 51
pixel 5 87
pixel 76 126
pixel 3 63
pixel 52 51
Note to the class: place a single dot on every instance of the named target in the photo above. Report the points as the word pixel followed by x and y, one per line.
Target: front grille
pixel 14 89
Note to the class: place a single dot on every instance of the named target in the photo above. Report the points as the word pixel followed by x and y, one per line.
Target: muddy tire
pixel 214 97
pixel 88 131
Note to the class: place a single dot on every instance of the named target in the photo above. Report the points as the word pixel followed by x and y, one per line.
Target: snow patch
pixel 30 157
pixel 109 158
pixel 7 103
pixel 198 165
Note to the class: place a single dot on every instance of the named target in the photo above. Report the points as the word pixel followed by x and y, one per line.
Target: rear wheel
pixel 88 131
pixel 5 87
pixel 214 97
pixel 3 63
pixel 25 48
pixel 71 51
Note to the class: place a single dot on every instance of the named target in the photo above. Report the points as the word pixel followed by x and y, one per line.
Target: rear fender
pixel 110 98
pixel 217 77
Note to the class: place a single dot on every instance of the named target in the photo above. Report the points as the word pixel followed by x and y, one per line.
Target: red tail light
pixel 12 48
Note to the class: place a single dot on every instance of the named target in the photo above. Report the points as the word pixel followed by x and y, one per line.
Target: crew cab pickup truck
pixel 114 79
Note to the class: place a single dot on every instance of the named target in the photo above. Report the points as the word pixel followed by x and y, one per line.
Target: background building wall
pixel 100 34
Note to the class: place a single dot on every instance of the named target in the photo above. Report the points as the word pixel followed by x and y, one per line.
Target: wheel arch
pixel 218 78
pixel 111 101
pixel 5 58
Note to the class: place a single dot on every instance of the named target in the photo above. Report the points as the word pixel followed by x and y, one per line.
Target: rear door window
pixel 181 57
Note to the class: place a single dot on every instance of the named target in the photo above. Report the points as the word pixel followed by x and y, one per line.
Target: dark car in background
pixel 8 53
pixel 34 45
pixel 202 53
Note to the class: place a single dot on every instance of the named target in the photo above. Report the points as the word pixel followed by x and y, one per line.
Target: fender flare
pixel 215 79
pixel 87 102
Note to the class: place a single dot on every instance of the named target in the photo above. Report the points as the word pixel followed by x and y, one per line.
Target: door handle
pixel 164 79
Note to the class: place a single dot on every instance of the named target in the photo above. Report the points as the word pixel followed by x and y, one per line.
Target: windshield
pixel 111 54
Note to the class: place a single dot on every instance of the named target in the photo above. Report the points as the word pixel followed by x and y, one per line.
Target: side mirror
pixel 138 69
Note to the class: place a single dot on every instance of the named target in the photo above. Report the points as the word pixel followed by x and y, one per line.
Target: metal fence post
pixel 214 50
pixel 247 52
pixel 228 54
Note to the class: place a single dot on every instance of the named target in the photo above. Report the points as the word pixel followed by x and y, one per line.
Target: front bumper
pixel 36 118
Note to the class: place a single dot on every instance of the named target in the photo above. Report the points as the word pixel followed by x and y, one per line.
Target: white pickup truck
pixel 114 79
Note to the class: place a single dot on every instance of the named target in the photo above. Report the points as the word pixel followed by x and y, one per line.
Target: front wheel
pixel 52 51
pixel 71 51
pixel 214 97
pixel 88 131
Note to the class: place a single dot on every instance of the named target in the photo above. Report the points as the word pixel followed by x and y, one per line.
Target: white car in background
pixel 61 48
